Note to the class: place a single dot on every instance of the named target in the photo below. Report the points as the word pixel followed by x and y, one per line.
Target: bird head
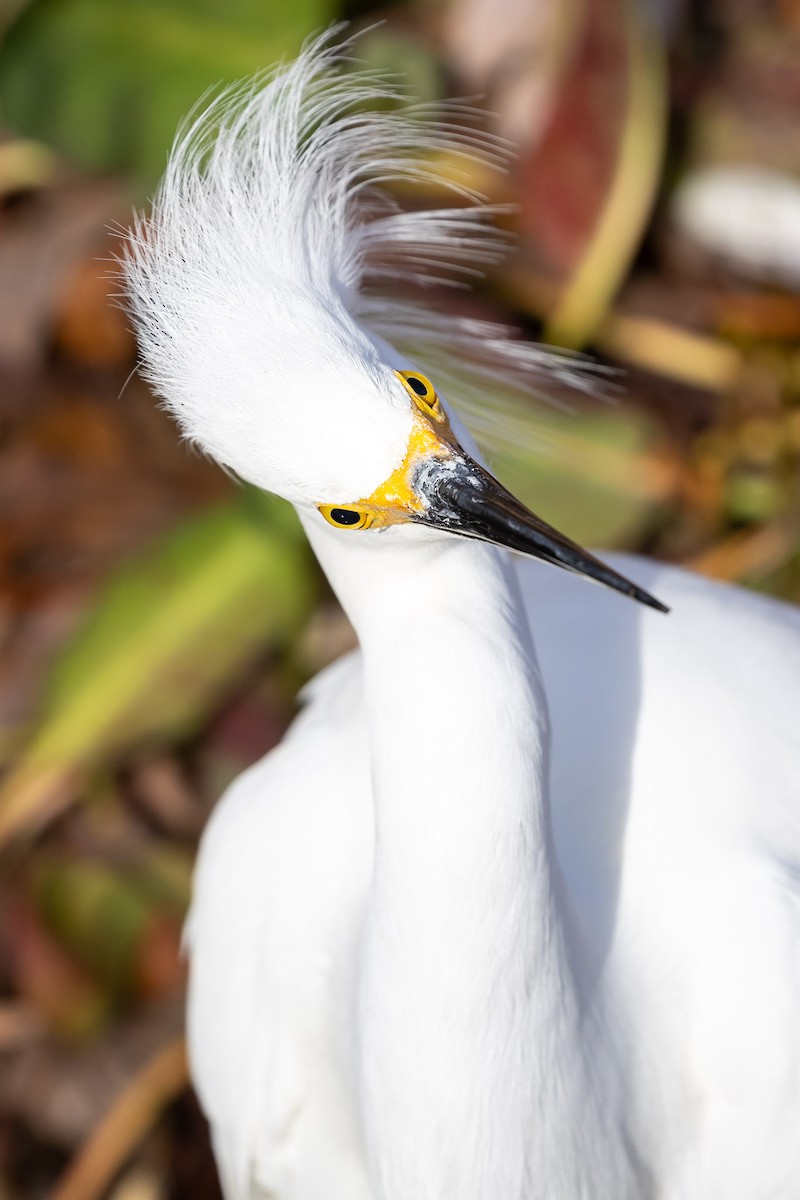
pixel 251 288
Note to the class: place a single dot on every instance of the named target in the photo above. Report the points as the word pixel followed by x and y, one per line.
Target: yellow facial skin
pixel 395 501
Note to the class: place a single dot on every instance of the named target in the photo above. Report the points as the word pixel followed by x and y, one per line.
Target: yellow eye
pixel 346 518
pixel 421 390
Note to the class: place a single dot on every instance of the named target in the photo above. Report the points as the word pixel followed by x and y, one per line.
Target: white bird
pixel 494 922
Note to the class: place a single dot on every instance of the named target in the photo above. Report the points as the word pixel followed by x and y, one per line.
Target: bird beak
pixel 460 496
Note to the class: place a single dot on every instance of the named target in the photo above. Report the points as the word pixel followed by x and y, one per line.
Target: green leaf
pixel 108 84
pixel 96 914
pixel 168 635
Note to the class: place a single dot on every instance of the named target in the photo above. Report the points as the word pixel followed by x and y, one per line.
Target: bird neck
pixel 469 1021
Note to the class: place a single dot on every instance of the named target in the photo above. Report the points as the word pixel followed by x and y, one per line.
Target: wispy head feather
pixel 271 239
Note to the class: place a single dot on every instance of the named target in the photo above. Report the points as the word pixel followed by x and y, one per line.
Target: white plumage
pixel 493 923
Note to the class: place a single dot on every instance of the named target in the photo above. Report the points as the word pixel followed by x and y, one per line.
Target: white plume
pixel 281 180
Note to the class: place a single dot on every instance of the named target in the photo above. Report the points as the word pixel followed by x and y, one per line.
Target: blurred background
pixel 156 620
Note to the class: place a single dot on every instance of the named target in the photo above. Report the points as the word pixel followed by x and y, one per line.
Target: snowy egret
pixel 492 923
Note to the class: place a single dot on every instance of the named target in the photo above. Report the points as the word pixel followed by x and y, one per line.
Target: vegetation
pixel 156 619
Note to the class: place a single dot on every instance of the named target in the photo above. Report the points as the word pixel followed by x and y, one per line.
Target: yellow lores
pixel 396 500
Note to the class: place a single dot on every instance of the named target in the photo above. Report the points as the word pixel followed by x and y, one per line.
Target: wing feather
pixel 278 902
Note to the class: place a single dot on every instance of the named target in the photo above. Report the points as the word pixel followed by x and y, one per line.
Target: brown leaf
pixel 40 242
pixel 88 327
pixel 563 184
pixel 50 979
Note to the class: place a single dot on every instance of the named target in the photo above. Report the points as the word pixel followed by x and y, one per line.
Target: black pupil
pixel 417 385
pixel 345 516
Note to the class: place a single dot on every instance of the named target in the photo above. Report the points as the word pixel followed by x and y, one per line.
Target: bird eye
pixel 346 518
pixel 421 390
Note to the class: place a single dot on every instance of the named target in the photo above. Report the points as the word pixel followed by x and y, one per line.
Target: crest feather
pixel 280 179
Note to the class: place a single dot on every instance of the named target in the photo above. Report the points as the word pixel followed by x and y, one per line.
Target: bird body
pixel 666 1031
pixel 512 912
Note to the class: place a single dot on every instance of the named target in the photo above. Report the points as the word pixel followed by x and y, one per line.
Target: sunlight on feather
pixel 259 154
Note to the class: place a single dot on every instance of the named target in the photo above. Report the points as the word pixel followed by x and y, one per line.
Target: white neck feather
pixel 473 1041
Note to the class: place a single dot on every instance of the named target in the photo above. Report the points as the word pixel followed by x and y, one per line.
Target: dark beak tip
pixel 651 601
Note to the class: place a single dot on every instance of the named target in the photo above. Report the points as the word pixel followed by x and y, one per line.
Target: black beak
pixel 465 499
